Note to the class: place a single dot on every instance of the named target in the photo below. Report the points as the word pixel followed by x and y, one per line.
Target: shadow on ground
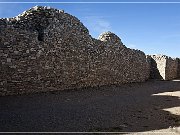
pixel 128 108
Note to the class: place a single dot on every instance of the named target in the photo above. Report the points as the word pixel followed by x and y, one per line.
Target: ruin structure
pixel 178 70
pixel 163 67
pixel 45 49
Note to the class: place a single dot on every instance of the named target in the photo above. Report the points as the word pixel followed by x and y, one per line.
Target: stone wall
pixel 45 49
pixel 171 68
pixel 158 64
pixel 163 67
pixel 178 72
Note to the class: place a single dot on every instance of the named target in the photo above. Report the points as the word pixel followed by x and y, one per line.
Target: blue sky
pixel 152 28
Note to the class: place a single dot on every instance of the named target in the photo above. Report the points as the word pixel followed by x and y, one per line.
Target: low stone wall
pixel 45 49
pixel 163 67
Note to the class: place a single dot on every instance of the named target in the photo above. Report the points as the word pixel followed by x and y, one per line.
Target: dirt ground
pixel 152 107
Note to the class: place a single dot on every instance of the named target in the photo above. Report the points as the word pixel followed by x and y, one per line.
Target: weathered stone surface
pixel 46 49
pixel 171 68
pixel 111 38
pixel 163 67
pixel 178 72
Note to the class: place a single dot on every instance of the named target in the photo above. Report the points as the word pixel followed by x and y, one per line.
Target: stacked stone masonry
pixel 45 49
pixel 163 67
pixel 178 72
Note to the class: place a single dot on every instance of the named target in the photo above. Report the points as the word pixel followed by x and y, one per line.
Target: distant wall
pixel 178 72
pixel 163 67
pixel 171 68
pixel 45 49
pixel 157 66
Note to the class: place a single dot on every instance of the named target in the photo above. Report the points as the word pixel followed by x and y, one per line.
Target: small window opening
pixel 40 35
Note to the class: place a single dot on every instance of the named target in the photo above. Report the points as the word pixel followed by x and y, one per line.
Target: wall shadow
pixel 126 108
pixel 154 71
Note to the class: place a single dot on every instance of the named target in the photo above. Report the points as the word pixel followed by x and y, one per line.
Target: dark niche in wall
pixel 40 34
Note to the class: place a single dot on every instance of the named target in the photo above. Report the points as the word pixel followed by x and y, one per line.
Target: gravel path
pixel 137 107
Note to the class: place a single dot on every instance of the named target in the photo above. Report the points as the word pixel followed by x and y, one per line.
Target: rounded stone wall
pixel 46 49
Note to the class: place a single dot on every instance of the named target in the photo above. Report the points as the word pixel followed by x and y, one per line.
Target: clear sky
pixel 152 28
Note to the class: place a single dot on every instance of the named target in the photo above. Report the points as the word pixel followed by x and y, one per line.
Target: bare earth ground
pixel 150 107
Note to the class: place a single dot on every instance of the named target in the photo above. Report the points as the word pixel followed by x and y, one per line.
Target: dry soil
pixel 152 107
